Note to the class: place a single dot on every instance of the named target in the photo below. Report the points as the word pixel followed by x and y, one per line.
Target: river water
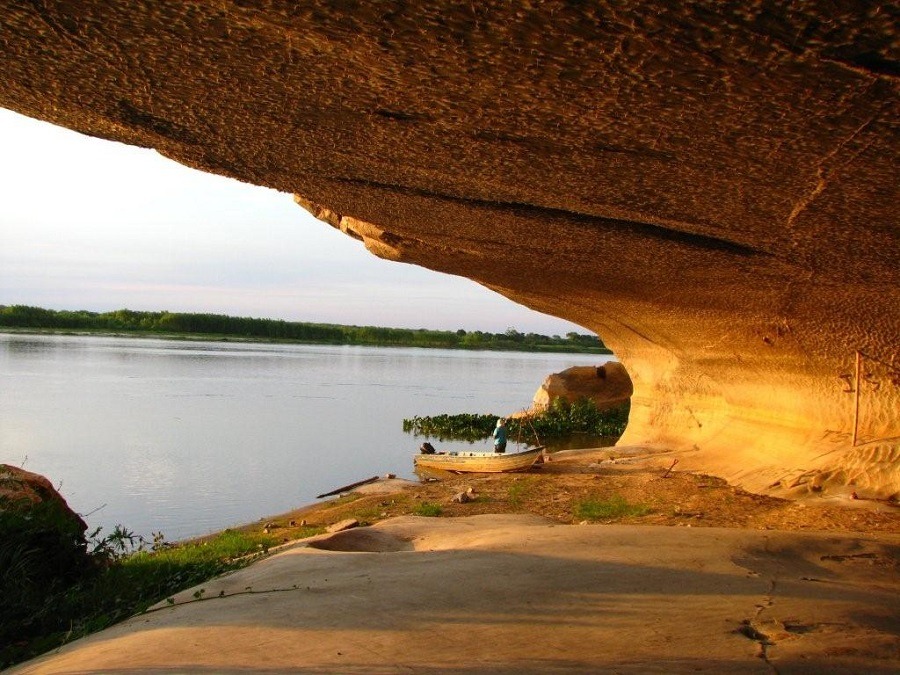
pixel 189 437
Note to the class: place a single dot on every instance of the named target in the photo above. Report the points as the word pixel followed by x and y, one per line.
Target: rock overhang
pixel 709 186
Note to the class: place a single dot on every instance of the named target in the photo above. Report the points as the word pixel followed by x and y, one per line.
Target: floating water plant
pixel 561 420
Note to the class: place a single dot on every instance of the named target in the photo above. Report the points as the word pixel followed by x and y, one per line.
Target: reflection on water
pixel 190 437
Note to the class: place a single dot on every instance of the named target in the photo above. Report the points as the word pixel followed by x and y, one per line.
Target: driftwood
pixel 348 487
pixel 669 470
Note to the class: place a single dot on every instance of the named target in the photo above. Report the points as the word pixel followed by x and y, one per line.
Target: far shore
pixel 217 337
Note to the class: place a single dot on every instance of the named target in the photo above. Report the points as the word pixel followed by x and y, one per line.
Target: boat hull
pixel 481 462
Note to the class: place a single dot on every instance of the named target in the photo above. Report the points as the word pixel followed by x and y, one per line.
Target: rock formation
pixel 710 186
pixel 23 491
pixel 607 385
pixel 42 540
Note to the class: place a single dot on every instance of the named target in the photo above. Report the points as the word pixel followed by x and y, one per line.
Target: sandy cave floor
pixel 711 579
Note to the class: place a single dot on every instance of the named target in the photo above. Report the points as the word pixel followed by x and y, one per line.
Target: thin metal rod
pixel 856 400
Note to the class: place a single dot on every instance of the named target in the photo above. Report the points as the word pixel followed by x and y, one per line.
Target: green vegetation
pixel 560 420
pixel 58 585
pixel 428 509
pixel 614 507
pixel 462 427
pixel 518 490
pixel 43 553
pixel 216 326
pixel 367 515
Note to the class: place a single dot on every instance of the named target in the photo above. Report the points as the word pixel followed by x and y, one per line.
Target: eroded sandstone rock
pixel 711 187
pixel 607 385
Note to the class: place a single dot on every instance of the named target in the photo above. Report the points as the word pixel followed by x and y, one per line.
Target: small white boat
pixel 481 462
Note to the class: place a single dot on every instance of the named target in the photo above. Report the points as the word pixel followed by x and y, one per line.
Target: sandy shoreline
pixel 525 591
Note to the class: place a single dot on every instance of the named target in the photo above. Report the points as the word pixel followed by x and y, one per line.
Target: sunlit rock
pixel 607 385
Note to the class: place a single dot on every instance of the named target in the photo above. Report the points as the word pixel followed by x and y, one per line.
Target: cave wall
pixel 711 187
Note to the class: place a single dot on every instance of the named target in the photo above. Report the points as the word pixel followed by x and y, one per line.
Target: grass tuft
pixel 518 490
pixel 428 509
pixel 614 507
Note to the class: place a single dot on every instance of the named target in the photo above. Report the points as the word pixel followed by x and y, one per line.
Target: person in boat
pixel 500 436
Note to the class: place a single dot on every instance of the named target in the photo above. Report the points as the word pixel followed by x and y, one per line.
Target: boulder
pixel 22 491
pixel 43 539
pixel 464 497
pixel 607 385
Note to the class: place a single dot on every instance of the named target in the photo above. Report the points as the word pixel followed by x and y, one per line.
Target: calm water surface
pixel 191 437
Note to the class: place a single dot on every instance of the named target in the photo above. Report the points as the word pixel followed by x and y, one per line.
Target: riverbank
pixel 669 572
pixel 564 489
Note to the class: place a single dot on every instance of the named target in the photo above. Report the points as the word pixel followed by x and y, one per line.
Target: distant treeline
pixel 219 326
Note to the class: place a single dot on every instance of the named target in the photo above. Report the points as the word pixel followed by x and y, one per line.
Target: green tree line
pixel 220 326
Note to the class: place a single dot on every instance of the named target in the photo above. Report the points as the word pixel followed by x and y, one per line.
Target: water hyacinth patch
pixel 561 420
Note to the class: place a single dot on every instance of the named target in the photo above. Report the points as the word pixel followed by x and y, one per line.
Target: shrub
pixel 43 553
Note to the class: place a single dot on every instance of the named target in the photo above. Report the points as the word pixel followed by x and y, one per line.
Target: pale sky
pixel 97 225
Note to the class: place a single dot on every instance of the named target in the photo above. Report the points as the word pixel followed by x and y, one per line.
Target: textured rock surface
pixel 22 490
pixel 711 186
pixel 410 594
pixel 607 385
pixel 42 547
